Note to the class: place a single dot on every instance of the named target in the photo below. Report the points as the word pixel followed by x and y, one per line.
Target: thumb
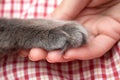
pixel 69 9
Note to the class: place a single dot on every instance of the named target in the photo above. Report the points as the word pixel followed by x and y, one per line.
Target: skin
pixel 100 17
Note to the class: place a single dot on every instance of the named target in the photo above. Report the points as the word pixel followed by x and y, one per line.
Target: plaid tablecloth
pixel 106 67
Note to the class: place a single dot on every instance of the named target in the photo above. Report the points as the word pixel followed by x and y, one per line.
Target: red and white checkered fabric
pixel 16 68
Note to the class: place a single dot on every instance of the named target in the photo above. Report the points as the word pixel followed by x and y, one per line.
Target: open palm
pixel 102 20
pixel 103 25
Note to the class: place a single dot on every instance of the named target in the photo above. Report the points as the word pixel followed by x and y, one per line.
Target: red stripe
pixel 70 70
pixel 91 67
pixel 81 70
pixel 25 69
pixel 55 3
pixel 12 8
pixel 36 10
pixel 37 70
pixel 117 48
pixel 45 8
pixel 2 9
pixel 14 67
pixel 49 73
pixel 103 66
pixel 21 6
pixel 59 69
pixel 4 68
pixel 115 72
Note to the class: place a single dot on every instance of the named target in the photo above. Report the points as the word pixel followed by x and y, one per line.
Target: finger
pixel 69 9
pixel 55 57
pixel 96 48
pixel 37 54
pixel 24 53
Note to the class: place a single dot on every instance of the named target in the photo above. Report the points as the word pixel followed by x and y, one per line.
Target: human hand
pixel 100 17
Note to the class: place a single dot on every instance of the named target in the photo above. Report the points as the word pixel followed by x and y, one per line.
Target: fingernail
pixel 50 61
pixel 33 59
pixel 66 57
pixel 53 56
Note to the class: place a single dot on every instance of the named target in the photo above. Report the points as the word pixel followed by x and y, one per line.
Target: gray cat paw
pixel 17 34
pixel 69 35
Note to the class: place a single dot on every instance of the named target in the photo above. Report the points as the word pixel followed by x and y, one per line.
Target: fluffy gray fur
pixel 17 34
